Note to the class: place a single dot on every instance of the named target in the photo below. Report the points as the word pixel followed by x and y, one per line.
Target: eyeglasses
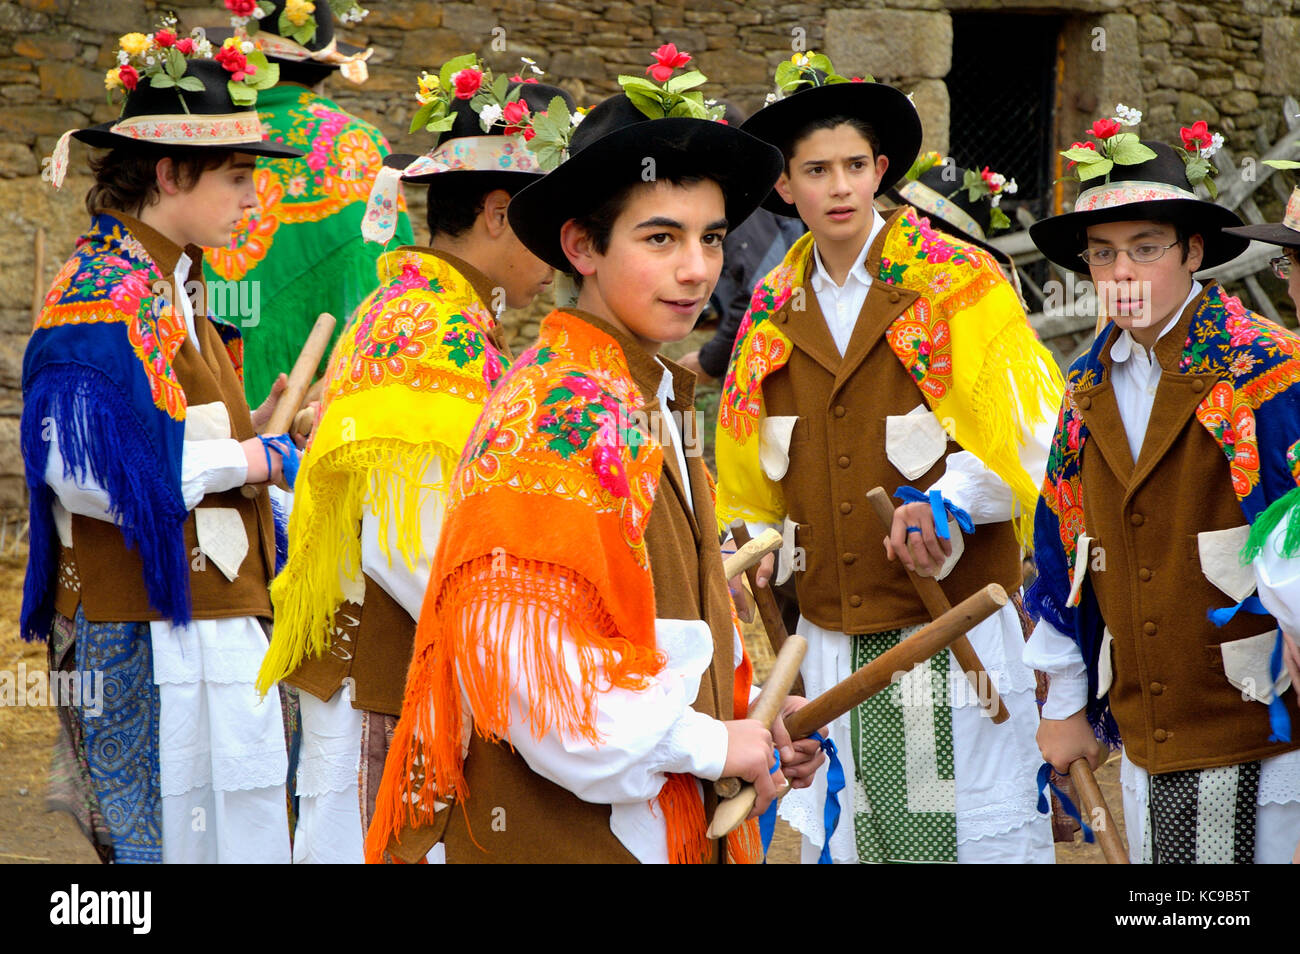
pixel 1141 254
pixel 1281 266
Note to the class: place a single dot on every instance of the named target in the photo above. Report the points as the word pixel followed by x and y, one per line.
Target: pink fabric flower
pixel 467 82
pixel 667 59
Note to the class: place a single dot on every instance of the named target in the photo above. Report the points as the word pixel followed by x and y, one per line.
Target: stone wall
pixel 1227 61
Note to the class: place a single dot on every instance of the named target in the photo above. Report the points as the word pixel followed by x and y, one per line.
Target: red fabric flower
pixel 467 82
pixel 987 176
pixel 129 77
pixel 529 133
pixel 185 45
pixel 667 59
pixel 1196 137
pixel 234 61
pixel 241 8
pixel 1104 128
pixel 514 116
pixel 519 79
pixel 856 79
pixel 165 38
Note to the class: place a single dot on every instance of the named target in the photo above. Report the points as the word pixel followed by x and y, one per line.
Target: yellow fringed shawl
pixel 407 379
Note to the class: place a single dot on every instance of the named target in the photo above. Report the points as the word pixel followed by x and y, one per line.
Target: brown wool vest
pixel 372 643
pixel 111 576
pixel 1172 702
pixel 516 816
pixel 837 454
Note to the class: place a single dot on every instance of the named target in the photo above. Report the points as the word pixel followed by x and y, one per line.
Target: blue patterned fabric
pixel 1253 414
pixel 121 742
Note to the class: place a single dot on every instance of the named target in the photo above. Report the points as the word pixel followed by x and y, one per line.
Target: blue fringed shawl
pixel 98 366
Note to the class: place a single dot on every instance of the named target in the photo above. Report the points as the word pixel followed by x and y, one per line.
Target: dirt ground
pixel 31 835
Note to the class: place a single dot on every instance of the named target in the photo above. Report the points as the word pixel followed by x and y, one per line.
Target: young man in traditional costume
pixel 872 346
pixel 1176 445
pixel 301 251
pixel 577 669
pixel 403 389
pixel 148 565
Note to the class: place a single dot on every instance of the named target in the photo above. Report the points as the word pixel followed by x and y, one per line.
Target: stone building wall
pixel 1226 61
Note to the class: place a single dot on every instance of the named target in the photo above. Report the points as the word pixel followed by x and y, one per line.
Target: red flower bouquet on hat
pixel 666 95
pixel 1199 144
pixel 1114 147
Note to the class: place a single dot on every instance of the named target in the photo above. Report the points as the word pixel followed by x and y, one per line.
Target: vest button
pixel 846 507
pixel 893 297
pixel 1149 628
pixel 1198 385
pixel 1084 402
pixel 1144 574
pixel 779 317
pixel 855 600
pixel 1160 735
pixel 840 410
pixel 844 462
pixel 1157 688
pixel 1136 519
pixel 848 558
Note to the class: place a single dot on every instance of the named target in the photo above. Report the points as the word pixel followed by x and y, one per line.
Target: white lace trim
pixel 1279 779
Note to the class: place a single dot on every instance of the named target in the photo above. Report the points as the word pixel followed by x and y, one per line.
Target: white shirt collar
pixel 821 279
pixel 1125 344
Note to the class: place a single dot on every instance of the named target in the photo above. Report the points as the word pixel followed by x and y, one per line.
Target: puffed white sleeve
pixel 1278 578
pixel 1051 651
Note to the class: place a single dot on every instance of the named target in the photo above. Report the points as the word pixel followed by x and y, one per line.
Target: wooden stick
pixel 936 604
pixel 875 676
pixel 38 273
pixel 304 369
pixel 1094 807
pixel 765 600
pixel 768 704
pixel 750 553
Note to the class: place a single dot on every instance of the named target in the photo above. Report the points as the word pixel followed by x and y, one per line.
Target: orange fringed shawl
pixel 545 524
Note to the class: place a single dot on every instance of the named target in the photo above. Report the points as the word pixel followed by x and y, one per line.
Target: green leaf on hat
pixel 191 84
pixel 500 87
pixel 549 154
pixel 422 115
pixel 554 124
pixel 998 219
pixel 161 80
pixel 302 34
pixel 240 94
pixel 441 125
pixel 1127 150
pixel 1081 155
pixel 680 84
pixel 1282 163
pixel 454 66
pixel 639 83
pixel 265 73
pixel 787 75
pixel 1090 170
pixel 820 61
pixel 174 63
pixel 651 105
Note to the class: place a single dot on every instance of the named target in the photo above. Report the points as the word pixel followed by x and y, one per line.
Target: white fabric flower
pixel 246 46
pixel 1010 187
pixel 576 118
pixel 1127 115
pixel 489 115
pixel 769 99
pixel 1216 143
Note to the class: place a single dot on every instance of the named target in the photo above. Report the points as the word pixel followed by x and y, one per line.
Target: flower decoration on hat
pixel 1199 144
pixel 1114 147
pixel 811 69
pixel 923 164
pixel 161 58
pixel 297 19
pixel 665 95
pixel 248 67
pixel 496 103
pixel 983 183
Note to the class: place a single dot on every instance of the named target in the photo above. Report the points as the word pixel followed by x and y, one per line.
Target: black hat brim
pixel 1062 237
pixel 888 110
pixel 102 137
pixel 1271 233
pixel 743 166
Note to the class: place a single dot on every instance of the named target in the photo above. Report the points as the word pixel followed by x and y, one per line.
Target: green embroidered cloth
pixel 300 252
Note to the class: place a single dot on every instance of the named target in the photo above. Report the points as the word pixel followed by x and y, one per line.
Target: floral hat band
pixel 923 197
pixel 466 154
pixel 1127 192
pixel 352 66
pixel 229 130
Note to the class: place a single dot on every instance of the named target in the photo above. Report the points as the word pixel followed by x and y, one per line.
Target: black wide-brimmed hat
pixel 952 212
pixel 1285 233
pixel 322 48
pixel 1157 190
pixel 154 116
pixel 609 151
pixel 888 110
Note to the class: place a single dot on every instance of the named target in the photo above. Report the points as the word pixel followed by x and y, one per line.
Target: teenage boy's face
pixel 832 178
pixel 208 214
pixel 1138 295
pixel 663 259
